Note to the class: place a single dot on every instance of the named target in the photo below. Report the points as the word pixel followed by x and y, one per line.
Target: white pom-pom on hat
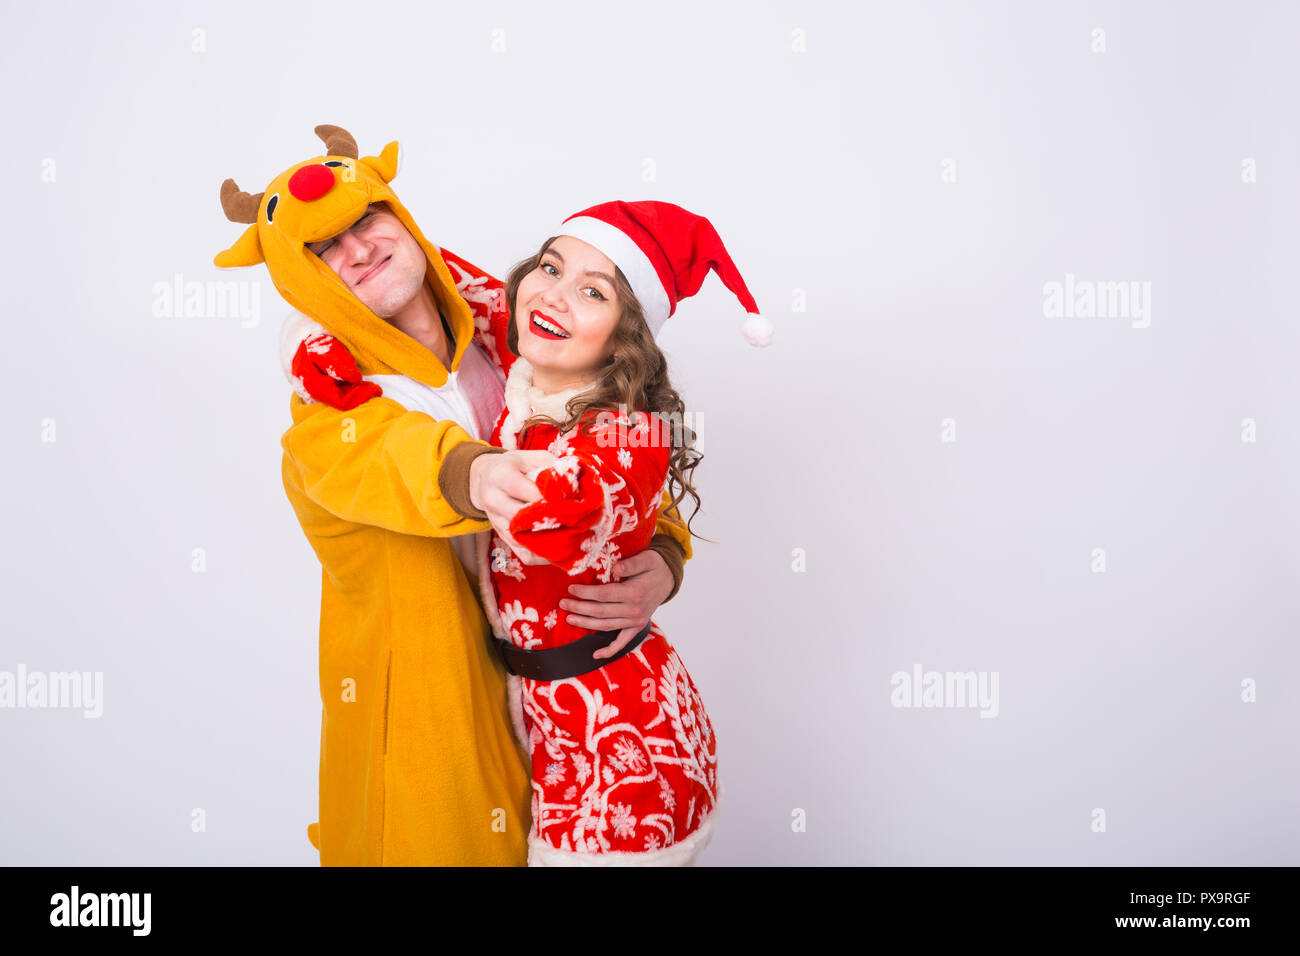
pixel 757 330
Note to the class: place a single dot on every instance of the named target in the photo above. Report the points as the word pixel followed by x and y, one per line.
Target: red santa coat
pixel 624 760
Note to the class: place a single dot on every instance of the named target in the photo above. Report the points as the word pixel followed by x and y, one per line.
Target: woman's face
pixel 572 292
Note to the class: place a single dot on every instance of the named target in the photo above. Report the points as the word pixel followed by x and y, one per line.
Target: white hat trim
pixel 630 258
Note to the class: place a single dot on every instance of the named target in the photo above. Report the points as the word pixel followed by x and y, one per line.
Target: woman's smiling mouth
pixel 545 328
pixel 374 270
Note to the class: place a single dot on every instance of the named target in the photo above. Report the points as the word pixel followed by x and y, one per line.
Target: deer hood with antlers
pixel 319 198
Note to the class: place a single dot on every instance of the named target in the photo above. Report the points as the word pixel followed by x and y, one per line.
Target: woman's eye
pixel 547 267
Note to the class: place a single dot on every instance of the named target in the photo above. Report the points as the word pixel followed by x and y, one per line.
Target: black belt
pixel 567 660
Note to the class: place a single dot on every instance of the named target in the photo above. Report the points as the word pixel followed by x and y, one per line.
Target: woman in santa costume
pixel 624 758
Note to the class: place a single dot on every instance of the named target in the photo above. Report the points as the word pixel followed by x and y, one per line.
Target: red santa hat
pixel 665 252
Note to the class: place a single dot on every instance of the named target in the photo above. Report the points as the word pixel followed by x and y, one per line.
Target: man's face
pixel 377 259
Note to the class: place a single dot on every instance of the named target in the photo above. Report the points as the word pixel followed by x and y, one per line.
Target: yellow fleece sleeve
pixel 379 464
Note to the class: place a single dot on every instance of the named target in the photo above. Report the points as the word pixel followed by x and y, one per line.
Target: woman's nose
pixel 556 296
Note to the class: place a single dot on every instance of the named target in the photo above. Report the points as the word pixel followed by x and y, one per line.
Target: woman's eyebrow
pixel 590 272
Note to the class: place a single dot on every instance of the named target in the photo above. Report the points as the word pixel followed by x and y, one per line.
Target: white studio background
pixel 929 468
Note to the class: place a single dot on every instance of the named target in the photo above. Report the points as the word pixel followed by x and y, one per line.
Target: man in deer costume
pixel 420 760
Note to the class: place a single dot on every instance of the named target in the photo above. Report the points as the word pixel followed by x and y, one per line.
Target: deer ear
pixel 386 163
pixel 247 251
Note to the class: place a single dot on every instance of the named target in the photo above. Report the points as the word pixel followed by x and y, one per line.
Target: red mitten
pixel 328 373
pixel 556 526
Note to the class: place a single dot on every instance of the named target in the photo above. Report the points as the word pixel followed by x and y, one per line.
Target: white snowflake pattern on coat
pixel 486 298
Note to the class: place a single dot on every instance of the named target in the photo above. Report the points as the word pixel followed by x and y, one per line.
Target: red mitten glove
pixel 556 525
pixel 328 373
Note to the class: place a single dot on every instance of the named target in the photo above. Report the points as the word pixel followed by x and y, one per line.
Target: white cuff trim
pixel 293 331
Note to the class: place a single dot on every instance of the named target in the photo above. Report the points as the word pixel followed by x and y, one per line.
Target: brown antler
pixel 239 206
pixel 338 142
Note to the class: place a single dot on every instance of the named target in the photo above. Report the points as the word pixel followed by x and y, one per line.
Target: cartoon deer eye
pixel 270 207
pixel 334 162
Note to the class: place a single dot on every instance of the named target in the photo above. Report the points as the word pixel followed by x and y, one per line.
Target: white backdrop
pixel 930 468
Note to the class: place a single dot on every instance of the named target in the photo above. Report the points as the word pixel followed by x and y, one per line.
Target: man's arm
pixel 672 542
pixel 648 580
pixel 379 464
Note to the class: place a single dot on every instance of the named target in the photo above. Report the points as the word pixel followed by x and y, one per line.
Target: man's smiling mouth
pixel 373 270
pixel 547 326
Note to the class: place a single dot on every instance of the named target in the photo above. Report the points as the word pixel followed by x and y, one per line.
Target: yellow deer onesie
pixel 418 761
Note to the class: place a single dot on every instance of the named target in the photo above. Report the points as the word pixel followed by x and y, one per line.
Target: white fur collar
pixel 524 400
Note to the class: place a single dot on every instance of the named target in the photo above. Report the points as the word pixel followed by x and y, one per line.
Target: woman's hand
pixel 625 604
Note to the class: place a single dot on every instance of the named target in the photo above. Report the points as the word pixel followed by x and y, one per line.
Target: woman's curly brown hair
pixel 636 377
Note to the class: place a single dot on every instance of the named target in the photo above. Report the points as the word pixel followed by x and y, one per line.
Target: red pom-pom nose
pixel 311 182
